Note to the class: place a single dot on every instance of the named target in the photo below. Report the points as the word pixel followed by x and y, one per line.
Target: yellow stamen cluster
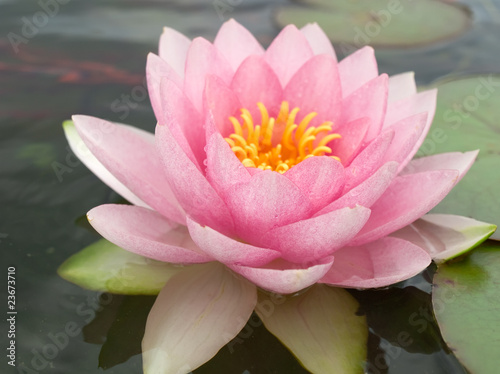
pixel 254 145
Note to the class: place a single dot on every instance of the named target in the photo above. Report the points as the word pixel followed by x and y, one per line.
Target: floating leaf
pixel 320 327
pixel 103 266
pixel 467 119
pixel 386 23
pixel 466 301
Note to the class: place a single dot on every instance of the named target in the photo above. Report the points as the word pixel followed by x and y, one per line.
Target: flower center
pixel 258 146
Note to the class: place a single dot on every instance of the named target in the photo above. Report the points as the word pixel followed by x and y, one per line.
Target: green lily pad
pixel 467 119
pixel 466 301
pixel 386 23
pixel 103 266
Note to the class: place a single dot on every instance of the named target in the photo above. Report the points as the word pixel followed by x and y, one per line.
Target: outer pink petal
pixel 236 43
pixel 376 264
pixel 349 145
pixel 315 238
pixel 402 86
pixel 146 233
pixel 368 160
pixel 130 155
pixel 173 49
pixel 203 59
pixel 367 192
pixel 370 100
pixel 254 82
pixel 285 278
pixel 448 161
pixel 318 40
pixel 83 153
pixel 408 198
pixel 269 200
pixel 224 169
pixel 422 102
pixel 321 179
pixel 156 69
pixel 288 52
pixel 197 312
pixel 406 133
pixel 222 103
pixel 184 121
pixel 357 69
pixel 445 236
pixel 227 250
pixel 315 87
pixel 193 191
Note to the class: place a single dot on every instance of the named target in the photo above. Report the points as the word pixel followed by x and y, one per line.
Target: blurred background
pixel 64 57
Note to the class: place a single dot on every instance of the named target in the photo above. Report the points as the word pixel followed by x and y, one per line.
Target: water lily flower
pixel 279 169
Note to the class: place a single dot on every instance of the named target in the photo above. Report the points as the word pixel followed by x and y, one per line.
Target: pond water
pixel 88 57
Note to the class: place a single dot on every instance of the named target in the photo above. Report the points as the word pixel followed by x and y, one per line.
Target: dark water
pixel 84 60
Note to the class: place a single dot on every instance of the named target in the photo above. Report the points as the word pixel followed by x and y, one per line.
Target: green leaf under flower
pixel 466 301
pixel 103 266
pixel 320 327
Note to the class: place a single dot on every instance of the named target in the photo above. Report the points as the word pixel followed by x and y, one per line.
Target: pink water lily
pixel 286 166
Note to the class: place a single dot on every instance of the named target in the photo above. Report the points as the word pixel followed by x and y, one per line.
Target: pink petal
pixel 130 155
pixel 406 134
pixel 408 198
pixel 444 161
pixel 370 100
pixel 193 191
pixel 254 82
pixel 236 43
pixel 422 102
pixel 320 178
pixel 357 69
pixel 227 250
pixel 224 169
pixel 288 52
pixel 319 42
pixel 267 201
pixel 222 103
pixel 199 310
pixel 402 86
pixel 147 233
pixel 315 87
pixel 315 238
pixel 283 277
pixel 156 69
pixel 184 121
pixel 203 59
pixel 83 153
pixel 173 49
pixel 367 192
pixel 376 264
pixel 368 160
pixel 349 145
